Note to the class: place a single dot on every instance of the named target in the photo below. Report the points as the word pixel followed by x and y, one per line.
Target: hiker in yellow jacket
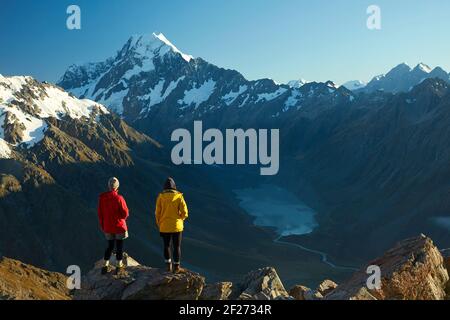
pixel 171 211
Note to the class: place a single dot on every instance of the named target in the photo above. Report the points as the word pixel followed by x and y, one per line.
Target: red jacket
pixel 112 212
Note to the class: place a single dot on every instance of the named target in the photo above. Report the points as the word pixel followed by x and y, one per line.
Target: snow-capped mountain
pixel 354 85
pixel 154 86
pixel 403 78
pixel 297 83
pixel 25 104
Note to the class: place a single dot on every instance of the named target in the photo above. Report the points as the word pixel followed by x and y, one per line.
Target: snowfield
pixel 30 110
pixel 198 95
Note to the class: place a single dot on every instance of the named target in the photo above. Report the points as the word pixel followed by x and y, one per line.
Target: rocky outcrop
pixel 261 284
pixel 217 291
pixel 300 292
pixel 326 287
pixel 20 281
pixel 139 282
pixel 412 270
pixel 446 256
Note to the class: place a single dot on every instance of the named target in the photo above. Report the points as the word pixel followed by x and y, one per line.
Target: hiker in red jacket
pixel 112 215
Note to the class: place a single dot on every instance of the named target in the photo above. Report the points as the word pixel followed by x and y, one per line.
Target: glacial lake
pixel 278 208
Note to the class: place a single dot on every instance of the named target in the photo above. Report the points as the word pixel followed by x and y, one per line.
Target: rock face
pixel 446 254
pixel 19 281
pixel 144 283
pixel 412 270
pixel 326 287
pixel 217 291
pixel 140 283
pixel 300 292
pixel 261 284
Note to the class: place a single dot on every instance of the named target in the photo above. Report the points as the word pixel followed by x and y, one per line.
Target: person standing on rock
pixel 171 211
pixel 112 216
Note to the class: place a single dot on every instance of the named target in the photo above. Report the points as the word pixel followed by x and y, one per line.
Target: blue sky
pixel 279 39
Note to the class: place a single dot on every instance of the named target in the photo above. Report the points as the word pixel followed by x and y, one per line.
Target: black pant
pixel 119 249
pixel 173 239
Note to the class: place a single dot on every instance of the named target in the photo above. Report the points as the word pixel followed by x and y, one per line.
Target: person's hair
pixel 170 184
pixel 113 184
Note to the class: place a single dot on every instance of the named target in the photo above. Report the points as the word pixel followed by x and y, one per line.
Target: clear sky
pixel 279 39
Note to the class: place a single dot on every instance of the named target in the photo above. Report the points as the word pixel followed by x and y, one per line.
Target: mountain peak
pixel 161 37
pixel 297 83
pixel 403 78
pixel 143 44
pixel 354 85
pixel 401 68
pixel 331 84
pixel 423 67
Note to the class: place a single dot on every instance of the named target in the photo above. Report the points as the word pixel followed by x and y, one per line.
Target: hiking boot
pixel 120 271
pixel 105 270
pixel 169 267
pixel 177 268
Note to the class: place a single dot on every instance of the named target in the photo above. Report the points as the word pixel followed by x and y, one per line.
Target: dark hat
pixel 170 184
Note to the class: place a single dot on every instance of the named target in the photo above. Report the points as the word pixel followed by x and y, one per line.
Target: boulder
pixel 412 270
pixel 217 291
pixel 140 283
pixel 261 284
pixel 326 286
pixel 300 292
pixel 158 285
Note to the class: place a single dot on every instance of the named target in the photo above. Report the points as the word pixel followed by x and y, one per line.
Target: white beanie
pixel 113 183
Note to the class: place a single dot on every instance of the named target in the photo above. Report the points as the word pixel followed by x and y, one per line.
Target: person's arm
pixel 100 213
pixel 158 210
pixel 183 208
pixel 124 213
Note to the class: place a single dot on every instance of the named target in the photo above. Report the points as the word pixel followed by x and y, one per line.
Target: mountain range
pixel 57 154
pixel 370 160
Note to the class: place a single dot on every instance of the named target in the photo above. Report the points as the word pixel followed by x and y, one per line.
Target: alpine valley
pixel 370 160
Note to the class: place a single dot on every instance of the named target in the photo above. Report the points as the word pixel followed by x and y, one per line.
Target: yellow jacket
pixel 171 211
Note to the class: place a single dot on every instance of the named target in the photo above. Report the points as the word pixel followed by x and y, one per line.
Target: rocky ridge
pixel 414 269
